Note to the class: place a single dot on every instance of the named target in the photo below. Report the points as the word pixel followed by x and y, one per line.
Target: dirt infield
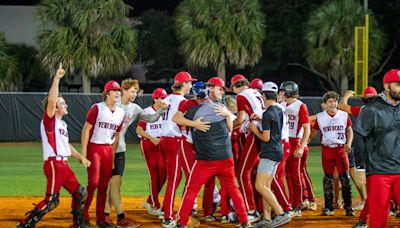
pixel 14 208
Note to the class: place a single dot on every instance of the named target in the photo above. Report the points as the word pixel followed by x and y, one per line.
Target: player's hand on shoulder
pixel 221 110
pixel 60 72
pixel 85 162
pixel 200 125
pixel 255 117
pixel 164 105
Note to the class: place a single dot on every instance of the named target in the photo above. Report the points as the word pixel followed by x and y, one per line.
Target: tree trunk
pixel 86 83
pixel 344 84
pixel 222 72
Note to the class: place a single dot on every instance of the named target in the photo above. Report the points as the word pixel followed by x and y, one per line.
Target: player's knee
pixel 345 179
pixel 93 184
pixel 53 202
pixel 79 196
pixel 328 181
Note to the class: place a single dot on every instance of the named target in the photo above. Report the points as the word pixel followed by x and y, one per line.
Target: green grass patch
pixel 21 171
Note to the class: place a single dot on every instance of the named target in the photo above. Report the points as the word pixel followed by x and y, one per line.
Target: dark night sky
pixel 139 5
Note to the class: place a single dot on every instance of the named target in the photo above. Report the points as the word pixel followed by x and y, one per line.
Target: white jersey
pixel 292 111
pixel 285 124
pixel 153 129
pixel 107 122
pixel 257 105
pixel 170 128
pixel 333 129
pixel 55 141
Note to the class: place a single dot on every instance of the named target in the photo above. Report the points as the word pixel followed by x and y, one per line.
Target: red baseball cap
pixel 392 75
pixel 217 81
pixel 112 85
pixel 159 93
pixel 256 84
pixel 370 91
pixel 183 76
pixel 237 78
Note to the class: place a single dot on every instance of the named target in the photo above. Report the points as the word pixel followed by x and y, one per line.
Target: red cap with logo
pixel 237 78
pixel 217 81
pixel 370 91
pixel 112 85
pixel 183 76
pixel 392 75
pixel 256 84
pixel 159 93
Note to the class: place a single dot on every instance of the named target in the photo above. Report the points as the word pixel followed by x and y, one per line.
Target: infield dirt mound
pixel 14 208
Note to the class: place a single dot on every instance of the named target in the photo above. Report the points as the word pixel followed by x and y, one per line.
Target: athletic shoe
pixel 225 219
pixel 327 212
pixel 105 225
pixel 244 225
pixel 312 206
pixel 127 222
pixel 209 218
pixel 263 223
pixel 359 206
pixel 280 220
pixel 194 211
pixel 168 223
pixel 215 206
pixel 193 222
pixel 360 224
pixel 161 216
pixel 108 220
pixel 350 211
pixel 305 204
pixel 299 213
pixel 232 216
pixel 253 217
pixel 151 210
pixel 292 213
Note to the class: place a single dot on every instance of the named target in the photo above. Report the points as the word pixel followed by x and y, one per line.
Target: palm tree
pixel 8 67
pixel 329 39
pixel 214 33
pixel 91 37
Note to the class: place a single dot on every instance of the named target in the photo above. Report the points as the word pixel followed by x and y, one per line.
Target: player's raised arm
pixel 53 93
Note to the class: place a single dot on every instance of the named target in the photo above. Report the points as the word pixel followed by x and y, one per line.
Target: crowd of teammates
pixel 250 144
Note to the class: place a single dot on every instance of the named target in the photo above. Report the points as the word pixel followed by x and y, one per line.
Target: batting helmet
pixel 200 90
pixel 290 88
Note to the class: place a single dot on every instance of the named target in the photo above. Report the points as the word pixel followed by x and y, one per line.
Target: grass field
pixel 21 171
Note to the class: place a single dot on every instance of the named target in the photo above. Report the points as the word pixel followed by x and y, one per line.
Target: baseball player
pixel 357 175
pixel 187 153
pixel 170 142
pixel 100 137
pixel 336 139
pixel 271 154
pixel 56 150
pixel 250 107
pixel 213 157
pixel 379 125
pixel 149 134
pixel 132 112
pixel 299 132
pixel 256 84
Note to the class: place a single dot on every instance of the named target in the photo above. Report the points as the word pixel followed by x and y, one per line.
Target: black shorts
pixel 352 161
pixel 119 164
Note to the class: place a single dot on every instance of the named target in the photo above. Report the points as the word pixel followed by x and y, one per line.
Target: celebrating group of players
pixel 250 145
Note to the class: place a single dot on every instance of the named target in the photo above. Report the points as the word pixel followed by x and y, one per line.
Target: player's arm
pixel 306 136
pixel 151 118
pixel 241 117
pixel 343 104
pixel 79 157
pixel 349 136
pixel 180 119
pixel 140 131
pixel 264 135
pixel 222 110
pixel 53 92
pixel 85 137
pixel 313 134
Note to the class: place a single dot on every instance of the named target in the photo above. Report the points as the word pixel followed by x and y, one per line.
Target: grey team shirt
pixel 379 124
pixel 134 112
